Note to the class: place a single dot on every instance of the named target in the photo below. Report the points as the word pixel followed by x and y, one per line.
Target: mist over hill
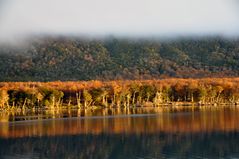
pixel 69 58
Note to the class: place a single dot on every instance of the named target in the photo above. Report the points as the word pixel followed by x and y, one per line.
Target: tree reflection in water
pixel 208 133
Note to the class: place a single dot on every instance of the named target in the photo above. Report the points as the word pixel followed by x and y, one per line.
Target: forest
pixel 73 59
pixel 120 93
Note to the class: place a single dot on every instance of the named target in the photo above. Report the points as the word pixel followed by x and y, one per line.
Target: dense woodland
pixel 72 59
pixel 208 91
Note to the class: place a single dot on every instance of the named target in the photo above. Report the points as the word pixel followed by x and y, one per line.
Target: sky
pixel 140 18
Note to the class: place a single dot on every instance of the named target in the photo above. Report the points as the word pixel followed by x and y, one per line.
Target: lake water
pixel 139 133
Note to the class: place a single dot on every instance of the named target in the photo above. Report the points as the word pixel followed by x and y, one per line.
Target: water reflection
pixel 67 113
pixel 203 133
pixel 130 121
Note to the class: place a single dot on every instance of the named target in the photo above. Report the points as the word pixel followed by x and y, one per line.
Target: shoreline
pixel 66 113
pixel 161 105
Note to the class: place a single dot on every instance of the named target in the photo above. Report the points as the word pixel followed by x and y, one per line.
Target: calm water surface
pixel 139 133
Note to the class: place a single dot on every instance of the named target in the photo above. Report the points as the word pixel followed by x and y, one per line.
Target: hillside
pixel 50 59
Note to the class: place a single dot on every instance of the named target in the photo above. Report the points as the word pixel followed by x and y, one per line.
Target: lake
pixel 123 133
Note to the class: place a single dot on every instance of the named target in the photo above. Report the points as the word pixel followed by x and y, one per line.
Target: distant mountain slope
pixel 50 59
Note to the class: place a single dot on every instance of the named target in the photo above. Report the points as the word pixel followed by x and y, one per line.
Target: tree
pixel 4 97
pixel 87 98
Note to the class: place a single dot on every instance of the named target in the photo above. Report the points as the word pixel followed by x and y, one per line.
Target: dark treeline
pixel 51 59
pixel 211 91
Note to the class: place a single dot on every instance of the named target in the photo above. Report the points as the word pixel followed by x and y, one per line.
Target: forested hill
pixel 50 59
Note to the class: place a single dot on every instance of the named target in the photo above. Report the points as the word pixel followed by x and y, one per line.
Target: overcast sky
pixel 19 18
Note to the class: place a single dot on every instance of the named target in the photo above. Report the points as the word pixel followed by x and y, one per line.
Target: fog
pixel 128 18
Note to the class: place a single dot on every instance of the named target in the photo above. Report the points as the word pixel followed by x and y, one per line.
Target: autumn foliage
pixel 125 93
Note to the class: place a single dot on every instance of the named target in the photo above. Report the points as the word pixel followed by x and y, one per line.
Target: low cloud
pixel 23 18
